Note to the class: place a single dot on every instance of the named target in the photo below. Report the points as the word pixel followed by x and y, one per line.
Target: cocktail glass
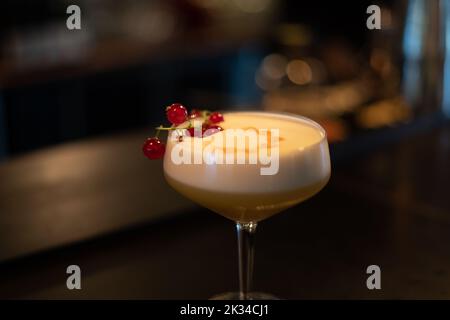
pixel 241 193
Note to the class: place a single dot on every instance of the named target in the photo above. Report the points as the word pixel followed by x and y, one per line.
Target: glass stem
pixel 246 235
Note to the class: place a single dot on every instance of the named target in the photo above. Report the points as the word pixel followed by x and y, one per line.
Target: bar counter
pixel 101 205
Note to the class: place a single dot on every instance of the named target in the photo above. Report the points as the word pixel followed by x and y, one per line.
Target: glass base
pixel 250 296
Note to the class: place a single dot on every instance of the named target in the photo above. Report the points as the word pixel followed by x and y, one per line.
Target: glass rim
pixel 287 115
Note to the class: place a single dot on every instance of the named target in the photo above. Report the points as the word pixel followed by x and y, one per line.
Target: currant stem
pixel 164 128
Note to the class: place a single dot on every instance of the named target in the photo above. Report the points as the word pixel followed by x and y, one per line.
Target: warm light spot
pixel 299 72
pixel 274 66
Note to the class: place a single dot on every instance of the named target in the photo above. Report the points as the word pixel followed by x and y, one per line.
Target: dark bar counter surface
pixel 101 205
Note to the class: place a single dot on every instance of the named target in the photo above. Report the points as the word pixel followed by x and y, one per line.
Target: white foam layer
pixel 303 158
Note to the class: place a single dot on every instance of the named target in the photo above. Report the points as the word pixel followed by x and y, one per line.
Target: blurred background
pixel 76 105
pixel 129 60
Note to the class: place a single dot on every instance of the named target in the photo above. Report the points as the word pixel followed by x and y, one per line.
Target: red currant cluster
pixel 177 114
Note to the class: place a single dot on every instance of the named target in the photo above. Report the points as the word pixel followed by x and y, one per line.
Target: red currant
pixel 153 148
pixel 190 132
pixel 193 133
pixel 176 113
pixel 212 129
pixel 215 117
pixel 195 113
